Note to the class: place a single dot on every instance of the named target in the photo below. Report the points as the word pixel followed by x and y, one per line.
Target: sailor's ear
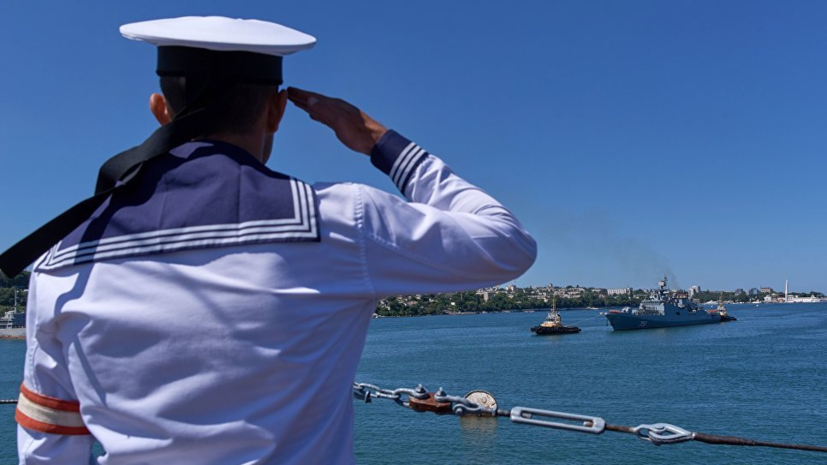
pixel 276 105
pixel 158 107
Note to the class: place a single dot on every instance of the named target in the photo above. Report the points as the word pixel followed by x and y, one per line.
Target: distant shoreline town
pixel 510 298
pixel 504 298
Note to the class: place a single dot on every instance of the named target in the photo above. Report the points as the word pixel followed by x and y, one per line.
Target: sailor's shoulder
pixel 341 194
pixel 337 199
pixel 351 204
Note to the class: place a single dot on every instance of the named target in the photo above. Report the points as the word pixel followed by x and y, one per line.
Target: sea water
pixel 761 377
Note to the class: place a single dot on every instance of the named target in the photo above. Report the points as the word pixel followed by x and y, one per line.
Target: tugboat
pixel 553 325
pixel 662 309
pixel 721 312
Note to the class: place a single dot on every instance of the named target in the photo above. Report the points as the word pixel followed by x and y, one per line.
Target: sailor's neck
pixel 254 144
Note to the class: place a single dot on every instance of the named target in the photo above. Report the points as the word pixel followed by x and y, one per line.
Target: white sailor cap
pixel 241 49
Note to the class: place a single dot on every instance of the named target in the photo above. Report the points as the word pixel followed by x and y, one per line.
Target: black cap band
pixel 255 68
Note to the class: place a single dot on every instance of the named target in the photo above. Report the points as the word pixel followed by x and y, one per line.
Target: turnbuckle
pixel 592 425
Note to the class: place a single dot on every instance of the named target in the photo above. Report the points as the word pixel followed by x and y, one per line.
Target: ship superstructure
pixel 13 323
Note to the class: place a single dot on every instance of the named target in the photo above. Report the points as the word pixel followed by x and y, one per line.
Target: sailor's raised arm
pixel 449 235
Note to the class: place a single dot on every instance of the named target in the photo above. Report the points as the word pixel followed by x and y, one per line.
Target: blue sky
pixel 632 138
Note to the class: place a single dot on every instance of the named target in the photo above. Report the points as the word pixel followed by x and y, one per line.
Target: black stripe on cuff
pixel 397 157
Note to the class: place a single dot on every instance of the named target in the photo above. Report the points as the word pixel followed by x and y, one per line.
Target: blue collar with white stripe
pixel 204 194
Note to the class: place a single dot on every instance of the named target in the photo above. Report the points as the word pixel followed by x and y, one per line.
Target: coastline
pixel 495 312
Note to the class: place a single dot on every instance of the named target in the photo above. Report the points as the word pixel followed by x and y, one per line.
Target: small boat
pixel 721 312
pixel 553 325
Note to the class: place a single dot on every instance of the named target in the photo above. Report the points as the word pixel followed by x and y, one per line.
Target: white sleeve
pixel 35 448
pixel 450 235
pixel 50 428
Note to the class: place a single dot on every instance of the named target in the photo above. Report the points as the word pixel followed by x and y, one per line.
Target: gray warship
pixel 662 309
pixel 13 323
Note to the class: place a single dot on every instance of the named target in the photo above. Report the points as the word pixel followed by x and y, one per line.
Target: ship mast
pixel 661 293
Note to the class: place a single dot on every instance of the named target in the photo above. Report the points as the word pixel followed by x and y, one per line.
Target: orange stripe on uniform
pixel 50 402
pixel 34 425
pixel 46 414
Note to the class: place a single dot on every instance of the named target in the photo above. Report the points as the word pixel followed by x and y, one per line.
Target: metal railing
pixel 482 403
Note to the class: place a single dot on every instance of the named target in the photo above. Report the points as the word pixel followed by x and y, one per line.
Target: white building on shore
pixel 619 291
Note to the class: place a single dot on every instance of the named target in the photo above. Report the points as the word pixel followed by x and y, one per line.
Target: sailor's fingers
pixel 329 111
pixel 316 105
pixel 302 105
pixel 315 113
pixel 354 128
pixel 311 99
pixel 304 97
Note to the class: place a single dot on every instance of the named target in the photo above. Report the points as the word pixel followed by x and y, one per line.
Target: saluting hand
pixel 358 131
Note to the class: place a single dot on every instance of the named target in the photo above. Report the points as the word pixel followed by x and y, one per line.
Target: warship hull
pixel 12 333
pixel 628 321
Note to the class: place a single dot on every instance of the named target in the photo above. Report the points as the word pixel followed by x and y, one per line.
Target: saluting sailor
pixel 203 309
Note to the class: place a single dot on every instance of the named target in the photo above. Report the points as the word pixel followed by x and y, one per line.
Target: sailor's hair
pixel 238 110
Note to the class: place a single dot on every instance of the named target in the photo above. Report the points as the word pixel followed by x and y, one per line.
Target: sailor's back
pixel 203 309
pixel 216 351
pixel 246 353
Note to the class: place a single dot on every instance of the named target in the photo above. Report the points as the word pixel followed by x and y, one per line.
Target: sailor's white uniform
pixel 244 352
